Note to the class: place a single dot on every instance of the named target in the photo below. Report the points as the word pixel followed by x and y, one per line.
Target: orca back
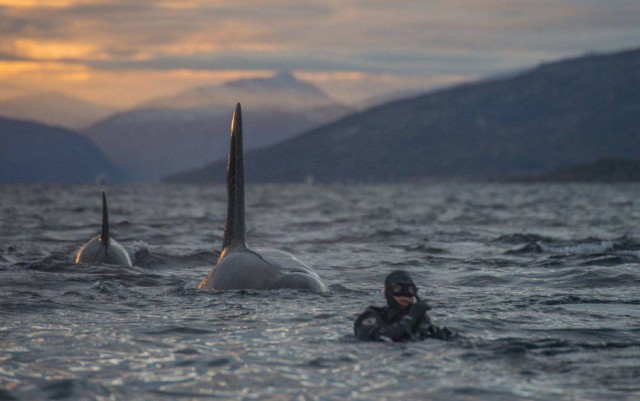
pixel 238 266
pixel 103 248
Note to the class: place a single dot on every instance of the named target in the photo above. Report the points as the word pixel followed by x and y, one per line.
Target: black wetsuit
pixel 398 324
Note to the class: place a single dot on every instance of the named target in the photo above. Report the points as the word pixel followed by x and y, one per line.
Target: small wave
pixel 607 260
pixel 511 347
pixel 567 299
pixel 147 259
pixel 422 248
pixel 62 262
pixel 8 259
pixel 187 351
pixel 341 289
pixel 590 246
pixel 141 255
pixel 60 389
pixel 626 243
pixel 480 280
pixel 50 263
pixel 600 278
pixel 6 395
pixel 606 308
pixel 554 342
pixel 121 294
pixel 578 300
pixel 388 233
pixel 28 301
pixel 622 379
pixel 183 289
pixel 519 346
pixel 522 238
pixel 593 248
pixel 74 389
pixel 84 268
pixel 330 362
pixel 179 330
pixel 219 362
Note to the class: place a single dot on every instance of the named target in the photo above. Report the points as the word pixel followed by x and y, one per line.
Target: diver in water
pixel 404 318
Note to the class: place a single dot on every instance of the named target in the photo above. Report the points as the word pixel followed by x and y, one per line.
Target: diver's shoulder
pixel 371 311
pixel 375 309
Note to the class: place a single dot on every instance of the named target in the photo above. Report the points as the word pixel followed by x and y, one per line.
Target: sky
pixel 124 52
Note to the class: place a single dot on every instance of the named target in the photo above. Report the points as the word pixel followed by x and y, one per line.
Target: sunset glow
pixel 32 49
pixel 37 3
pixel 122 53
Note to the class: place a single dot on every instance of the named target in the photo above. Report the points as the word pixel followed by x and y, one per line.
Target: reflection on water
pixel 541 281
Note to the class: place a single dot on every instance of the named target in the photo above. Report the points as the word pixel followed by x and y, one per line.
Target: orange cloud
pixel 124 89
pixel 39 3
pixel 38 76
pixel 28 67
pixel 129 88
pixel 134 50
pixel 49 50
pixel 183 4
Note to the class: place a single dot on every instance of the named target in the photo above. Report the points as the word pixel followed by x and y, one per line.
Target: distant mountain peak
pixel 283 82
pixel 279 91
pixel 190 129
pixel 284 75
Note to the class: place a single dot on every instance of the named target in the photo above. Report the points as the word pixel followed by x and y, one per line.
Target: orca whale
pixel 240 267
pixel 103 248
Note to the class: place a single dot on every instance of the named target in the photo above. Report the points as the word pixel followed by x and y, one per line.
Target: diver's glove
pixel 440 333
pixel 417 311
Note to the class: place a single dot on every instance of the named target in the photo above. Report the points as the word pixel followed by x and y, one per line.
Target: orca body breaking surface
pixel 240 267
pixel 103 249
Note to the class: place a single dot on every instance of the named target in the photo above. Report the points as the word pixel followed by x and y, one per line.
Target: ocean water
pixel 540 281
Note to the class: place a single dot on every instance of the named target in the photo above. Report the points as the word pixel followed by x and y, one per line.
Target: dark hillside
pixel 31 152
pixel 554 116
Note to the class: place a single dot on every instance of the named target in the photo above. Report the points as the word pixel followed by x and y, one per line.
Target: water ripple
pixel 544 297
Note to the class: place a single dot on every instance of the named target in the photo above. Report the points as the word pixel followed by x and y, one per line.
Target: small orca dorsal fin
pixel 234 230
pixel 104 234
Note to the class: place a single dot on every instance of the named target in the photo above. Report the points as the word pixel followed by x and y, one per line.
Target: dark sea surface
pixel 540 281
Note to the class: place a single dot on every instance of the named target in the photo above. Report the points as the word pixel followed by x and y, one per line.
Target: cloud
pixel 406 39
pixel 347 32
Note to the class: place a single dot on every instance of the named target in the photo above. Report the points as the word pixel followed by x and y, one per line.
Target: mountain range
pixel 550 117
pixel 190 129
pixel 32 152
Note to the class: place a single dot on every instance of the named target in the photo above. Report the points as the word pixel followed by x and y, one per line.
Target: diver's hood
pixel 395 277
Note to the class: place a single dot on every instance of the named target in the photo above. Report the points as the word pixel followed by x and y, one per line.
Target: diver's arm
pixel 371 327
pixel 398 331
pixel 367 326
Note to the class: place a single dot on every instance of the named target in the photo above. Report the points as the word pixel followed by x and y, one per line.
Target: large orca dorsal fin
pixel 104 234
pixel 234 230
